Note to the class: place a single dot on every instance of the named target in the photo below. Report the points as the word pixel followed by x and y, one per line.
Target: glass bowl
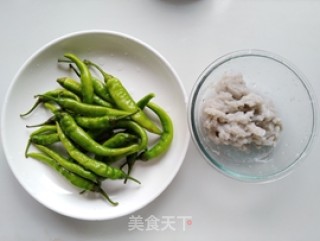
pixel 277 81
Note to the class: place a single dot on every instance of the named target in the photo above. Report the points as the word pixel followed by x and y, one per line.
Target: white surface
pixel 190 34
pixel 136 64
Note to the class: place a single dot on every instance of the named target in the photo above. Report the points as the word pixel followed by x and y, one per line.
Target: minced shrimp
pixel 233 115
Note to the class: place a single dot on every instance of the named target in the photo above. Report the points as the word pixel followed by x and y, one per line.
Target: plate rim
pixel 75 34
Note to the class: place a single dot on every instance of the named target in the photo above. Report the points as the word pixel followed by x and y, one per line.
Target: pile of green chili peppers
pixel 97 131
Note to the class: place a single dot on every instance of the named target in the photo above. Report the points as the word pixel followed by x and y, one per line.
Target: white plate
pixel 142 70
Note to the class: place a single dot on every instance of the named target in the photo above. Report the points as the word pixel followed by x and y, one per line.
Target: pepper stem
pixel 27 148
pixel 60 60
pixel 75 70
pixel 38 102
pixel 106 196
pixel 131 160
pixel 51 120
pixel 106 76
pixel 132 179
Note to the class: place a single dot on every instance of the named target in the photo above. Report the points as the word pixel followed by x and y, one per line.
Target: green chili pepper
pixel 89 163
pixel 85 76
pixel 101 90
pixel 160 147
pixel 53 93
pixel 60 92
pixel 145 100
pixel 45 134
pixel 137 129
pixel 120 139
pixel 124 101
pixel 73 178
pixel 67 164
pixel 98 122
pixel 75 87
pixel 139 132
pixel 51 107
pixel 83 108
pixel 166 137
pixel 99 101
pixel 81 138
pixel 45 129
pixel 44 139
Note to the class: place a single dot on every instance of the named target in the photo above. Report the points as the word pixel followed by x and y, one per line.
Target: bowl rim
pixel 196 138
